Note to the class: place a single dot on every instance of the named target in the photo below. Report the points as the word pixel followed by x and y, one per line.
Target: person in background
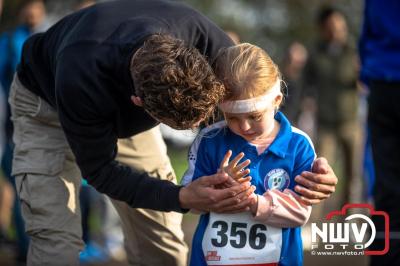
pixel 32 18
pixel 6 191
pixel 234 36
pixel 84 3
pixel 331 80
pixel 276 153
pixel 292 71
pixel 3 102
pixel 379 47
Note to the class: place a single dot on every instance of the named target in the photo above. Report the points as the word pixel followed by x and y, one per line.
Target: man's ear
pixel 137 100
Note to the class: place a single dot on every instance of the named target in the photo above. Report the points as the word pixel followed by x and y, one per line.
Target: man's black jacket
pixel 81 67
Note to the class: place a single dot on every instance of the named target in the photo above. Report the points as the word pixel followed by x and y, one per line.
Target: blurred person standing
pixel 3 103
pixel 32 17
pixel 380 71
pixel 32 20
pixel 6 191
pixel 331 79
pixel 292 71
pixel 234 36
pixel 84 3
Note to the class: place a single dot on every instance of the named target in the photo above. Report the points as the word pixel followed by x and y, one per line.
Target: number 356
pixel 257 238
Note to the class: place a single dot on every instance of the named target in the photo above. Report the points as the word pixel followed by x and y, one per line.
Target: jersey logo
pixel 212 256
pixel 276 179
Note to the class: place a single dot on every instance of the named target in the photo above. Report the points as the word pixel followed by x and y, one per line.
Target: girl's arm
pixel 281 209
pixel 285 208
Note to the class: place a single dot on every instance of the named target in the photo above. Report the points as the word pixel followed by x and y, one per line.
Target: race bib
pixel 236 239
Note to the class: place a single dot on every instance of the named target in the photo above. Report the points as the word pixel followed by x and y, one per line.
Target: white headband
pixel 252 104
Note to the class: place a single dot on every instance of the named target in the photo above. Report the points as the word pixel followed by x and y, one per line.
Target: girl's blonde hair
pixel 246 70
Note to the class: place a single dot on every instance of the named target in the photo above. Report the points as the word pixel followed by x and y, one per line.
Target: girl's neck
pixel 269 135
pixel 263 143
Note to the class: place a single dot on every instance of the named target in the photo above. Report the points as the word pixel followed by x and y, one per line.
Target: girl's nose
pixel 245 125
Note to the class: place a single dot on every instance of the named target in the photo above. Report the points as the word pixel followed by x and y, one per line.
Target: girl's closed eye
pixel 231 118
pixel 256 117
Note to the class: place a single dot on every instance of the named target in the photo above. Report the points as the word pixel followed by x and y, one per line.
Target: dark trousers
pixel 384 121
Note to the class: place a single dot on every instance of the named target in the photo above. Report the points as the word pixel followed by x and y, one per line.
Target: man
pixel 380 71
pixel 94 80
pixel 331 76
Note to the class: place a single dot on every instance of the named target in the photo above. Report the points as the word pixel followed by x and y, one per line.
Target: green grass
pixel 178 158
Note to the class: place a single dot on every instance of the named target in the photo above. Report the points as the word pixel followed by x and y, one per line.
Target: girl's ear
pixel 137 100
pixel 278 99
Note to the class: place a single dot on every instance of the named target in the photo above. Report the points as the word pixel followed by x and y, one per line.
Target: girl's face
pixel 252 126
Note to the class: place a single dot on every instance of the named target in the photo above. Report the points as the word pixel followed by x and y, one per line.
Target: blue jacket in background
pixel 380 41
pixel 10 53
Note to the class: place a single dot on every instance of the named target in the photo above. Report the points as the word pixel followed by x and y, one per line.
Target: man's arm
pixel 318 185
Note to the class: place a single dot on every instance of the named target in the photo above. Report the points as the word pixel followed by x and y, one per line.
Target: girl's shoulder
pixel 300 137
pixel 213 131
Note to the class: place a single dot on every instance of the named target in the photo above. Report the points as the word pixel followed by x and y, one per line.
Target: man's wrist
pixel 183 198
pixel 254 206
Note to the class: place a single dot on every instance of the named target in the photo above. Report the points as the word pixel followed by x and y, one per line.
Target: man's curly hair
pixel 176 83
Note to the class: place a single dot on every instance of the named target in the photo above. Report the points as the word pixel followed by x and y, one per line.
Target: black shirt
pixel 81 67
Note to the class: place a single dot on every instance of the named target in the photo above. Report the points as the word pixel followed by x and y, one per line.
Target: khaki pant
pixel 348 139
pixel 48 182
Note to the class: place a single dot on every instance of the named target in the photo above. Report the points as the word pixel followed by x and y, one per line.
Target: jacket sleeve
pixel 281 209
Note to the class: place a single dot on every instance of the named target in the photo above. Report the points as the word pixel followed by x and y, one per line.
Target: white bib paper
pixel 236 239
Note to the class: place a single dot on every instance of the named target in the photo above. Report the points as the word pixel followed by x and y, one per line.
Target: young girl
pixel 269 233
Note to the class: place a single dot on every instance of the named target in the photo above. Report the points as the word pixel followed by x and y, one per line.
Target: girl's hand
pixel 232 168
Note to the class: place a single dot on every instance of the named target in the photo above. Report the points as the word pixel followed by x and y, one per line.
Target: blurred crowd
pixel 323 98
pixel 101 229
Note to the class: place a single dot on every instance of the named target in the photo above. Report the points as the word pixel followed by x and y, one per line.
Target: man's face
pixel 34 14
pixel 173 123
pixel 335 28
pixel 160 117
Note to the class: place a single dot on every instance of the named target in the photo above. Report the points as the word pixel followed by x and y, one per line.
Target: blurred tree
pixel 271 24
pixel 274 24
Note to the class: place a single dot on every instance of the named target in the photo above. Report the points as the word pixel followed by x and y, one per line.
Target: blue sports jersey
pixel 291 153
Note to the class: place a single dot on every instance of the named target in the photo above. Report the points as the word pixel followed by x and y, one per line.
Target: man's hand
pixel 201 195
pixel 317 186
